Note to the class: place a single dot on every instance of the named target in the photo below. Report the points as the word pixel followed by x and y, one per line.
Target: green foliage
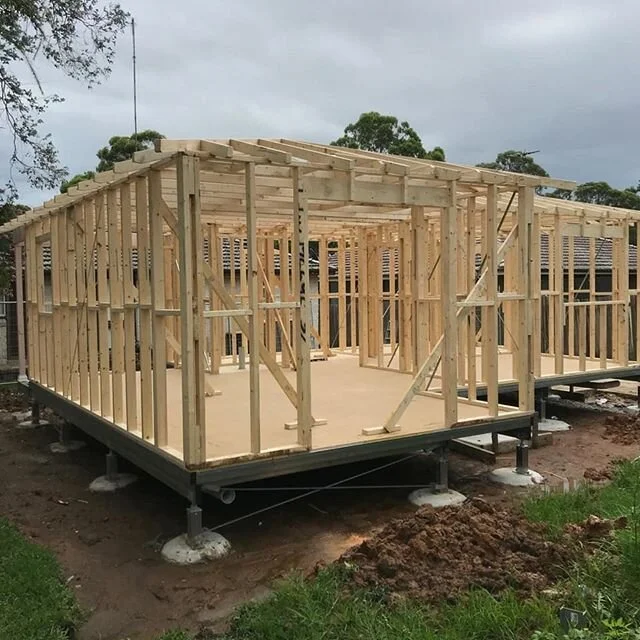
pixel 324 608
pixel 515 162
pixel 79 177
pixel 610 501
pixel 606 582
pixel 35 604
pixel 384 134
pixel 8 211
pixel 614 629
pixel 123 147
pixel 176 635
pixel 120 148
pixel 601 193
pixel 76 36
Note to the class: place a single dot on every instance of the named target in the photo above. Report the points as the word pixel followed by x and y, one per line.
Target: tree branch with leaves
pixel 77 37
pixel 385 134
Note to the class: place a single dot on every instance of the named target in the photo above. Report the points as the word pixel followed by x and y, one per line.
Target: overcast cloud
pixel 473 77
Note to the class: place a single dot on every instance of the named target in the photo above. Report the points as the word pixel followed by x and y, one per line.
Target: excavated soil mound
pixel 622 429
pixel 598 475
pixel 437 554
pixel 594 528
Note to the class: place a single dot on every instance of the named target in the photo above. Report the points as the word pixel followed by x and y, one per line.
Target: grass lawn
pixel 35 604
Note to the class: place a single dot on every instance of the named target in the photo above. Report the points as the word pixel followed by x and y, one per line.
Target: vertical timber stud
pixel 83 314
pixel 342 294
pixel 353 292
pixel 623 293
pixel 592 297
pixel 103 307
pixel 22 353
pixel 129 309
pixel 90 242
pixel 363 302
pixel 158 331
pixel 490 323
pixel 55 373
pixel 419 277
pixel 283 252
pixel 33 320
pixel 534 260
pixel 191 310
pixel 73 304
pixel 63 338
pixel 144 298
pixel 525 286
pixel 559 295
pixel 117 310
pixel 255 326
pixel 448 298
pixel 302 319
pixel 470 281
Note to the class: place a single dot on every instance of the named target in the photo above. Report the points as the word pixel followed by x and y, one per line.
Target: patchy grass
pixel 619 498
pixel 325 608
pixel 35 604
pixel 606 583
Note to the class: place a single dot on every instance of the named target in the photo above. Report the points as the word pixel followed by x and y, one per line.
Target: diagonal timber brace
pixel 172 341
pixel 271 298
pixel 264 354
pixel 243 325
pixel 433 359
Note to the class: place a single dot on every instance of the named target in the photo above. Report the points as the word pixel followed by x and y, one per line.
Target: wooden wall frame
pixel 152 287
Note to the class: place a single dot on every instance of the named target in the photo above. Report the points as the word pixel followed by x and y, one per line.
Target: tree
pixel 384 134
pixel 79 177
pixel 76 36
pixel 8 211
pixel 515 162
pixel 604 194
pixel 123 147
pixel 119 148
pixel 601 193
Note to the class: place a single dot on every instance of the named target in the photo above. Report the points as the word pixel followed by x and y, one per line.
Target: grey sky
pixel 473 77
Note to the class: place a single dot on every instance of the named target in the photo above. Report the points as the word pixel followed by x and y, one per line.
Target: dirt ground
pixel 435 555
pixel 108 545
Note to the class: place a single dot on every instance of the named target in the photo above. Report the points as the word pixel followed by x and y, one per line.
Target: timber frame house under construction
pixel 436 272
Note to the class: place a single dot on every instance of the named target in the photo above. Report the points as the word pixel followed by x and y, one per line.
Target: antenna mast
pixel 135 84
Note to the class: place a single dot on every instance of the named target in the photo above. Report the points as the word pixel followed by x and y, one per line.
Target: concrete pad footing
pixel 207 545
pixel 421 497
pixel 510 477
pixel 66 447
pixel 106 484
pixel 553 425
pixel 28 424
pixel 506 444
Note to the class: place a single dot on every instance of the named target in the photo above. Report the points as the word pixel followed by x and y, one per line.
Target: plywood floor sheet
pixel 348 396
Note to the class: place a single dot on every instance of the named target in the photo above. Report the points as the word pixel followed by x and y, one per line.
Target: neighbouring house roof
pixel 581 252
pixel 581 249
pixel 226 256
